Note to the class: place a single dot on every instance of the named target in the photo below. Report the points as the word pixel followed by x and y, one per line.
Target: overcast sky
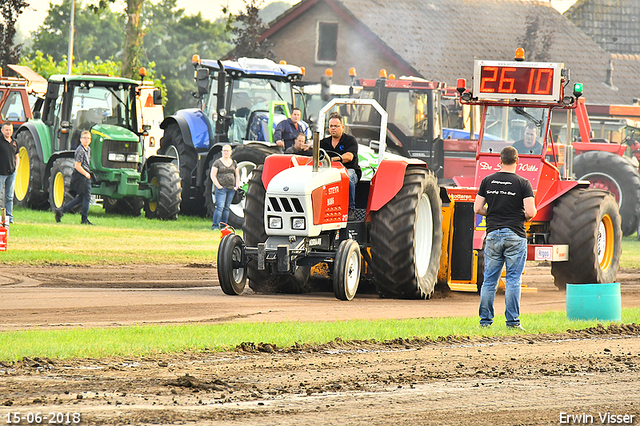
pixel 211 9
pixel 33 17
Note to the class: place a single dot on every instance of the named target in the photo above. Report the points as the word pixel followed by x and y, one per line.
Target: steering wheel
pixel 331 154
pixel 325 161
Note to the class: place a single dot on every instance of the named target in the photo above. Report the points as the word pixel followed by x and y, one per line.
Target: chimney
pixel 609 78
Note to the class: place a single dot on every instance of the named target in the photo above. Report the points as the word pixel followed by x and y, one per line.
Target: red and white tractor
pixel 297 226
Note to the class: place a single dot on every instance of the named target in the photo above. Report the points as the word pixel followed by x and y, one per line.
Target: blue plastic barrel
pixel 594 301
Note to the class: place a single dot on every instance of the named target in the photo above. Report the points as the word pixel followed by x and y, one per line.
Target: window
pixel 327 43
pixel 13 109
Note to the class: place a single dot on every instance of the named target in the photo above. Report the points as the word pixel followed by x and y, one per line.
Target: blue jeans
pixel 8 183
pixel 353 179
pixel 85 198
pixel 223 199
pixel 503 246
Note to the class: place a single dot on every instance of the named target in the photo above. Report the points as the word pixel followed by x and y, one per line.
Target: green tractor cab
pixel 123 176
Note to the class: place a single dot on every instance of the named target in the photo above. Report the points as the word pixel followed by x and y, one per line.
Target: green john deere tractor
pixel 123 176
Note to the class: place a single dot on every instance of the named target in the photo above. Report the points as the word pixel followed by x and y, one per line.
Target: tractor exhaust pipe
pixel 316 151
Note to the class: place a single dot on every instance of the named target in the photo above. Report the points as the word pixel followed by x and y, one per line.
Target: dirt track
pixel 517 380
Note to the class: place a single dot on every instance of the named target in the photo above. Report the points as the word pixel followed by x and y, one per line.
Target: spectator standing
pixel 226 180
pixel 9 162
pixel 80 180
pixel 287 130
pixel 509 204
pixel 347 146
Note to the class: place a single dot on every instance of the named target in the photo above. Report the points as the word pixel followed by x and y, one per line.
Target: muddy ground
pixel 517 380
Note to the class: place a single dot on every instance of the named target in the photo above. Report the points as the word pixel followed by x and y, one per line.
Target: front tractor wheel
pixel 60 182
pixel 346 270
pixel 232 275
pixel 406 238
pixel 165 179
pixel 588 221
pixel 29 189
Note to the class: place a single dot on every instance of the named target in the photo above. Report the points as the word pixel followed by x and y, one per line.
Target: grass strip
pixel 148 340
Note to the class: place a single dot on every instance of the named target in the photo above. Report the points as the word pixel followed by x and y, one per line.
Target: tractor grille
pixel 285 204
pixel 119 147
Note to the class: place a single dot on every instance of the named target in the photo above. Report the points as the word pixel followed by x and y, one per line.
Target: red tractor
pixel 297 226
pixel 577 228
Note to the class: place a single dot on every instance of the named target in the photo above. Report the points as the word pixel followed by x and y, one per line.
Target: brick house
pixel 439 39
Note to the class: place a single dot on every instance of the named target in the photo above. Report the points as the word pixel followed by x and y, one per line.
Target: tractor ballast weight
pixel 577 229
pixel 123 175
pixel 297 227
pixel 239 103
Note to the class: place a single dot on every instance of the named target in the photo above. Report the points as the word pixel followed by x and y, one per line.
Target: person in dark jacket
pixel 287 130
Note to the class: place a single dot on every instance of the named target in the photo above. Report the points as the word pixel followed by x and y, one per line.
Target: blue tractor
pixel 240 103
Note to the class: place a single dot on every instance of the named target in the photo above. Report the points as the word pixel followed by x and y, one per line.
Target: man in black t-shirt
pixel 507 201
pixel 347 146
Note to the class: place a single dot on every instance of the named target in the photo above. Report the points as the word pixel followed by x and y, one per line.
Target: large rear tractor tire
pixel 231 275
pixel 589 222
pixel 613 173
pixel 254 233
pixel 29 190
pixel 406 238
pixel 173 145
pixel 166 179
pixel 127 206
pixel 60 183
pixel 248 158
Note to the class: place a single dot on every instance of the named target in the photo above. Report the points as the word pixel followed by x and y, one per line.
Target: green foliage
pixel 98 33
pixel 47 66
pixel 171 38
pixel 10 10
pixel 149 340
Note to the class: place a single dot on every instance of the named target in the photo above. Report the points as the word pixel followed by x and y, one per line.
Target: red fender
pixel 387 182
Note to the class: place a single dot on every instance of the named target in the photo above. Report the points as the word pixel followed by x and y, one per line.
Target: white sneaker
pixel 516 327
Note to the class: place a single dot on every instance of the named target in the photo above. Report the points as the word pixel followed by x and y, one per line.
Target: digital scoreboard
pixel 534 81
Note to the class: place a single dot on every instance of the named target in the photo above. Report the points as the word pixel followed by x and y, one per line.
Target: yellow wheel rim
pixel 153 205
pixel 22 177
pixel 58 190
pixel 605 242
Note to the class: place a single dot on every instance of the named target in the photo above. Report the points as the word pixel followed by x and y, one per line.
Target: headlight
pixel 116 157
pixel 297 223
pixel 275 222
pixel 132 158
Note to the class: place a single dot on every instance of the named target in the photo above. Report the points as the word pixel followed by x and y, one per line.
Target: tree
pixel 247 27
pixel 98 33
pixel 10 9
pixel 171 38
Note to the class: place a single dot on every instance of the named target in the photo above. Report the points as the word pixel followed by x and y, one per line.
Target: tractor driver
pixel 529 145
pixel 347 146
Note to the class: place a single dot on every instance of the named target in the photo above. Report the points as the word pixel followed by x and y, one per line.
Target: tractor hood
pixel 113 132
